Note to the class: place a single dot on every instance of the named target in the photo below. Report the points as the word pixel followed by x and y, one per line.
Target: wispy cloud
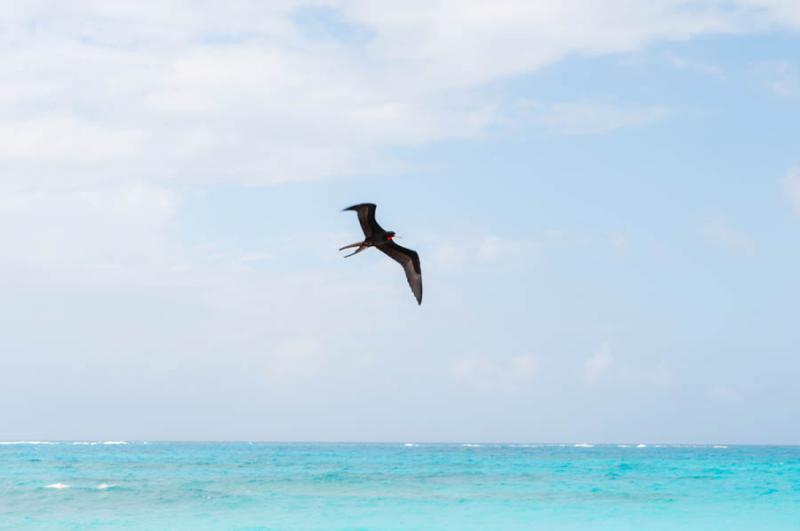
pixel 598 364
pixel 720 233
pixel 490 248
pixel 619 241
pixel 114 227
pixel 483 249
pixel 490 374
pixel 587 119
pixel 780 77
pixel 603 365
pixel 791 188
pixel 706 69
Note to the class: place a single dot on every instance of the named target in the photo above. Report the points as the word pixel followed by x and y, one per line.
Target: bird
pixel 383 240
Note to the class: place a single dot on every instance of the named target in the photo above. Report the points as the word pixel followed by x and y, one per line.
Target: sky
pixel 605 196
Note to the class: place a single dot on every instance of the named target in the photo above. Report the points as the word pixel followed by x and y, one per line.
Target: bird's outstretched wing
pixel 410 261
pixel 366 217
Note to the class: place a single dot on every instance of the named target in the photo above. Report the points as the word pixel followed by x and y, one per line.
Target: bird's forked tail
pixel 360 246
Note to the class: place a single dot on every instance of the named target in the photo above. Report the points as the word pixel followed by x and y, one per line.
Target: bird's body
pixel 376 236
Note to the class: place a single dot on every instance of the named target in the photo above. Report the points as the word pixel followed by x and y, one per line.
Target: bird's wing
pixel 410 261
pixel 366 217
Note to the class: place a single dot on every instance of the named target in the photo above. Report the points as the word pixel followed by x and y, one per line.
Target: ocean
pixel 250 486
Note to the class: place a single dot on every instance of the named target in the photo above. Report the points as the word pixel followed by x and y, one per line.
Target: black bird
pixel 375 236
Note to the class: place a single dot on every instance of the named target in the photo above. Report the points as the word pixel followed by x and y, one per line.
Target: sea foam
pixel 27 442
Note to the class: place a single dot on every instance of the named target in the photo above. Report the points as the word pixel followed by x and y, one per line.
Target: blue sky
pixel 605 197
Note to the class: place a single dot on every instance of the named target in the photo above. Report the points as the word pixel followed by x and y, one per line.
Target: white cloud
pixel 782 78
pixel 587 118
pixel 791 188
pixel 603 365
pixel 655 375
pixel 491 248
pixel 598 365
pixel 779 12
pixel 113 227
pixel 619 241
pixel 724 393
pixel 461 44
pixel 683 63
pixel 482 249
pixel 720 233
pixel 64 140
pixel 246 91
pixel 486 374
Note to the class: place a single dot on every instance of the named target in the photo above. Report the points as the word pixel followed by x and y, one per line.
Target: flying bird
pixel 375 236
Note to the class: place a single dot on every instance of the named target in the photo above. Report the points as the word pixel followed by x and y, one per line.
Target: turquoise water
pixel 396 486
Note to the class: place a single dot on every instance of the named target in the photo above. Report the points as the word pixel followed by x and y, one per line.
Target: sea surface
pixel 159 485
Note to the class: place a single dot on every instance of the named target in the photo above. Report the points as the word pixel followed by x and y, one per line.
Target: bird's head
pixel 390 236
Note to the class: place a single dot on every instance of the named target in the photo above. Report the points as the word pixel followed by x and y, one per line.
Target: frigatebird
pixel 375 236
